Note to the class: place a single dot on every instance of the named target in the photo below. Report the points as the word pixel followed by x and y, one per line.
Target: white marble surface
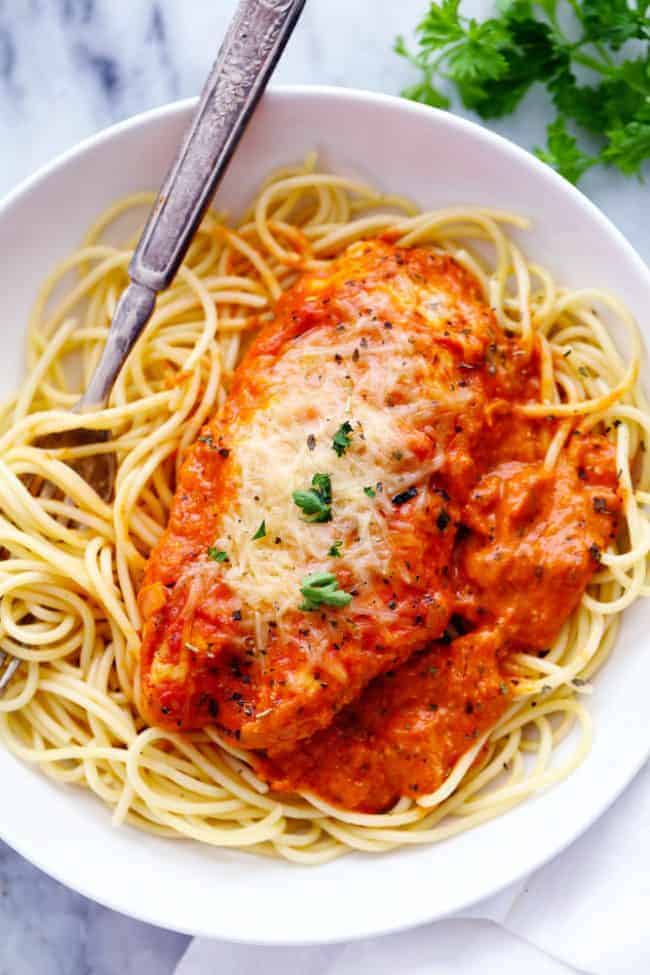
pixel 67 69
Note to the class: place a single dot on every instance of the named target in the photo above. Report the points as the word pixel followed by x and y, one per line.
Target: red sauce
pixel 501 552
pixel 534 542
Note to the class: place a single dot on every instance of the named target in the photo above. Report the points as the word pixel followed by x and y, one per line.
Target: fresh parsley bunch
pixel 594 86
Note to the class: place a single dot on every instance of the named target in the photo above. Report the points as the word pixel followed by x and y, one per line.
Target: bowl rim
pixel 344 93
pixel 501 145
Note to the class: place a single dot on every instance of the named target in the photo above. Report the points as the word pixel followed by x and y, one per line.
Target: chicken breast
pixel 311 534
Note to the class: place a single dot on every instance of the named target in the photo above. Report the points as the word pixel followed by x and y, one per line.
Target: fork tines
pixel 8 667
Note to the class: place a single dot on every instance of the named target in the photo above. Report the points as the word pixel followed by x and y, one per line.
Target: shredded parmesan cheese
pixel 280 449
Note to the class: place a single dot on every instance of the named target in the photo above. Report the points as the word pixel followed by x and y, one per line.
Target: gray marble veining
pixel 46 929
pixel 71 67
pixel 67 69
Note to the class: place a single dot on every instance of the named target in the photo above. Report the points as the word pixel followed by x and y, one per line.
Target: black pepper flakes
pixel 404 496
pixel 595 553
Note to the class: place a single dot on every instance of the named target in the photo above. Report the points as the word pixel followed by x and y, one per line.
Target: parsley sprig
pixel 217 554
pixel 342 439
pixel 322 588
pixel 316 502
pixel 596 91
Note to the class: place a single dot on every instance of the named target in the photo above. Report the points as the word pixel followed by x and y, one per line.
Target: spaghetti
pixel 70 578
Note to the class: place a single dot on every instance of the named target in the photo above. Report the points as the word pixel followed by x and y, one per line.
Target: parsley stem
pixel 603 53
pixel 592 63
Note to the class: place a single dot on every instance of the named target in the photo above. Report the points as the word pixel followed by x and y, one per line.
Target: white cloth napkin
pixel 587 911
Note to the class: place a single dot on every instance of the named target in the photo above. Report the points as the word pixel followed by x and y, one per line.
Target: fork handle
pixel 251 49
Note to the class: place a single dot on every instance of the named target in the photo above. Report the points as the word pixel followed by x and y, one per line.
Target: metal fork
pixel 248 56
pixel 8 667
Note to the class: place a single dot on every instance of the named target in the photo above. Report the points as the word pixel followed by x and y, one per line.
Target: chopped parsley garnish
pixel 322 589
pixel 217 554
pixel 335 550
pixel 404 496
pixel 316 503
pixel 342 439
pixel 261 532
pixel 370 491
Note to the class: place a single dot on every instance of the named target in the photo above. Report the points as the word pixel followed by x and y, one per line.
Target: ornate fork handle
pixel 250 51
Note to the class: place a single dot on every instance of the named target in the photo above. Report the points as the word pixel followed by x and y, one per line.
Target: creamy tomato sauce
pixel 530 541
pixel 454 542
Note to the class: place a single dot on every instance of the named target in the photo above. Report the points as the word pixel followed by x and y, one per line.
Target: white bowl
pixel 437 159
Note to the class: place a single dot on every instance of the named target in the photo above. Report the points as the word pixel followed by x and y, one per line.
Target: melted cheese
pixel 290 440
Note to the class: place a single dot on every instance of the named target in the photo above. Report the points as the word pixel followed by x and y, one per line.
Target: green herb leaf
pixel 322 589
pixel 479 57
pixel 342 439
pixel 426 94
pixel 494 62
pixel 441 25
pixel 322 484
pixel 613 21
pixel 261 532
pixel 563 152
pixel 335 550
pixel 583 104
pixel 628 146
pixel 218 554
pixel 316 503
pixel 370 491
